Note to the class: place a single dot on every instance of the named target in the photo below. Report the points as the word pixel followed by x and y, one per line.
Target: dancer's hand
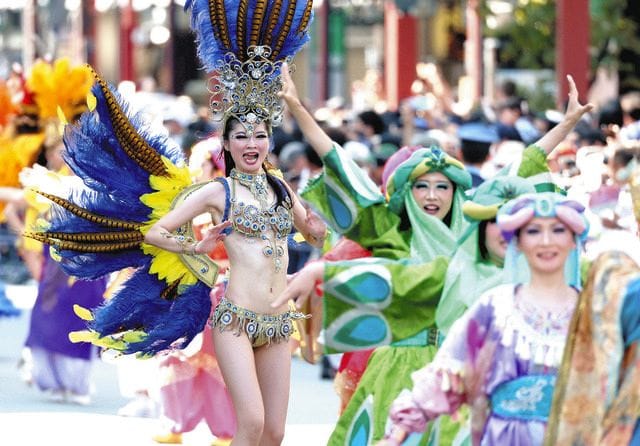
pixel 288 93
pixel 575 110
pixel 387 442
pixel 211 238
pixel 393 438
pixel 301 285
pixel 316 227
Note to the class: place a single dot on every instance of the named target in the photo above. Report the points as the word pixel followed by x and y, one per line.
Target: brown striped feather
pixel 274 14
pixel 132 143
pixel 90 237
pixel 284 31
pixel 306 17
pixel 215 23
pixel 258 17
pixel 243 8
pixel 90 216
pixel 93 248
pixel 222 23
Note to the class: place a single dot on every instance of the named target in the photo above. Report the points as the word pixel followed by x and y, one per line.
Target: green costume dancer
pixel 390 298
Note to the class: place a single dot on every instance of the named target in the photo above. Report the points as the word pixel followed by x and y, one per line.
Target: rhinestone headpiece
pixel 244 43
pixel 248 90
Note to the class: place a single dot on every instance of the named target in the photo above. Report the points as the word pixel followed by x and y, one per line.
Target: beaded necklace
pixel 256 183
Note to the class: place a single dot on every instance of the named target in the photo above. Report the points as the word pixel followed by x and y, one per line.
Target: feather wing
pixel 130 177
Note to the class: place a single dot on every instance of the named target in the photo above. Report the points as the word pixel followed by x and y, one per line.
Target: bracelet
pixel 323 236
pixel 187 244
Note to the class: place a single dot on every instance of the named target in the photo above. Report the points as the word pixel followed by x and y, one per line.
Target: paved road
pixel 28 418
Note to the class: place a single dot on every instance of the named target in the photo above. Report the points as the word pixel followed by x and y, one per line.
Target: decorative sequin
pixel 255 223
pixel 261 329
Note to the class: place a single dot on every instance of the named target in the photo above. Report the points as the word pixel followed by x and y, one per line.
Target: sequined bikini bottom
pixel 260 328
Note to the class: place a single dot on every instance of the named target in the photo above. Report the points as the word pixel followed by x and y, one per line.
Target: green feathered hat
pixel 492 194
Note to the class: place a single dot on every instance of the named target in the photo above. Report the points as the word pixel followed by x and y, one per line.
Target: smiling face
pixel 433 192
pixel 248 151
pixel 546 243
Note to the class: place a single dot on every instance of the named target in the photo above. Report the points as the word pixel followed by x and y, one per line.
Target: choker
pixel 256 183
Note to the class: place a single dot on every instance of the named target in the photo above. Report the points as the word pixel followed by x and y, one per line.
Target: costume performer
pixel 597 394
pixel 53 91
pixel 502 356
pixel 366 306
pixel 391 298
pixel 142 218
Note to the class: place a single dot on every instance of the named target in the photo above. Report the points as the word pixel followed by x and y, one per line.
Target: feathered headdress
pixel 244 43
pixel 59 84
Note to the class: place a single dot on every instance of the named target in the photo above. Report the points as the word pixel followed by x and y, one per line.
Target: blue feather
pixel 91 155
pixel 133 306
pixel 175 328
pixel 138 306
pixel 212 49
pixel 93 266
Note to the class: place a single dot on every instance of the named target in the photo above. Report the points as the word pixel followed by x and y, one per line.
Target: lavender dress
pixel 501 358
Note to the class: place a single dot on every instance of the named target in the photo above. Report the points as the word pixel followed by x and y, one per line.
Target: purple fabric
pixel 52 316
pixel 495 341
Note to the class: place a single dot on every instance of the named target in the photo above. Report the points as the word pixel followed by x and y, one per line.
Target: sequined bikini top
pixel 251 221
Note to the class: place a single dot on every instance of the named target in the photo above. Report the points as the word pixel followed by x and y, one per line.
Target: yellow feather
pixel 168 266
pixel 61 116
pixel 109 342
pixel 55 255
pixel 83 336
pixel 92 102
pixel 134 336
pixel 82 313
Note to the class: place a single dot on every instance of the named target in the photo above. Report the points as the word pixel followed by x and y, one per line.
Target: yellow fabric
pixel 445 19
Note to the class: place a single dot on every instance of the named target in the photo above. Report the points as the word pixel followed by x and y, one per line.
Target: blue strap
pixel 227 202
pixel 525 398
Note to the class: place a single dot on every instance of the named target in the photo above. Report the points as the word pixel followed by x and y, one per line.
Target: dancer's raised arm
pixel 318 139
pixel 574 113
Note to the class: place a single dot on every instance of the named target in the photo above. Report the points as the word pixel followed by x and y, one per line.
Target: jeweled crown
pixel 248 90
pixel 243 43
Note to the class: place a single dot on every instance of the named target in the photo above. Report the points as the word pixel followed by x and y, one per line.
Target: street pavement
pixel 28 418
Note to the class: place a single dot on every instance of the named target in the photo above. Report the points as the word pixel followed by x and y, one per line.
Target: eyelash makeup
pixel 424 184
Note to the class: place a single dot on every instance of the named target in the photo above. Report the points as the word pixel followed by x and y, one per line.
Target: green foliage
pixel 528 41
pixel 611 31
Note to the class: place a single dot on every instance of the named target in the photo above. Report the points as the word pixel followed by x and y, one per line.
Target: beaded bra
pixel 256 223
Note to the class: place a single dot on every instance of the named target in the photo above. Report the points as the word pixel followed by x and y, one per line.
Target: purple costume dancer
pixel 502 356
pixel 60 366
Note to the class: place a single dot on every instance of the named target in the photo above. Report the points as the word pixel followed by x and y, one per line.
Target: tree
pixel 528 41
